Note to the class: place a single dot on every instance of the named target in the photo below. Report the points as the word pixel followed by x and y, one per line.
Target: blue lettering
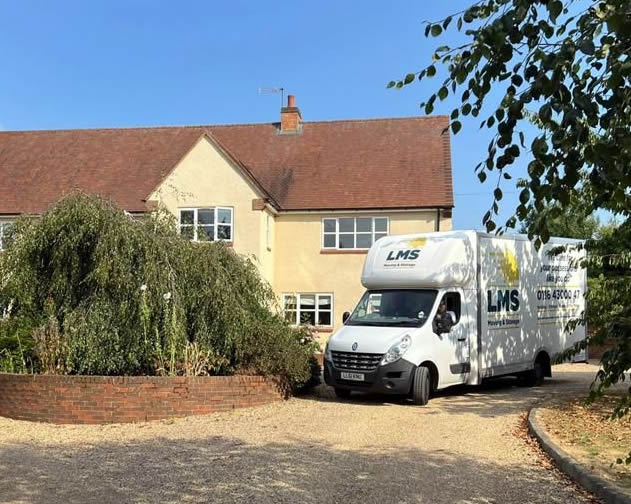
pixel 514 300
pixel 502 300
pixel 490 306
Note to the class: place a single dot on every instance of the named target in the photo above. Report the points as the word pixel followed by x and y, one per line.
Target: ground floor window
pixel 308 309
pixel 5 234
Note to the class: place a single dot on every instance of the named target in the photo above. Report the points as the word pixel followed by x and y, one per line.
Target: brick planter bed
pixel 106 399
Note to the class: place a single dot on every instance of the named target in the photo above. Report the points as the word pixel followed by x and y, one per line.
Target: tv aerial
pixel 273 90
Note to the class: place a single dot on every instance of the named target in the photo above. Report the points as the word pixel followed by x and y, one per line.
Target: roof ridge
pixel 120 128
pixel 376 119
pixel 227 125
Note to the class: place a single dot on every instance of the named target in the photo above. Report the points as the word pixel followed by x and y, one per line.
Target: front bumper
pixel 395 378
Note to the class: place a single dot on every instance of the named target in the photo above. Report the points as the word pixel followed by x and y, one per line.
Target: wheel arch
pixel 433 371
pixel 543 358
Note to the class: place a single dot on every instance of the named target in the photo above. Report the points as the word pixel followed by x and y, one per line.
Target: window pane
pixel 186 216
pixel 364 240
pixel 347 225
pixel 206 216
pixel 186 232
pixel 324 302
pixel 290 316
pixel 329 225
pixel 307 302
pixel 324 318
pixel 224 232
pixel 364 224
pixel 381 224
pixel 379 235
pixel 329 241
pixel 6 236
pixel 290 302
pixel 347 241
pixel 205 233
pixel 224 215
pixel 307 317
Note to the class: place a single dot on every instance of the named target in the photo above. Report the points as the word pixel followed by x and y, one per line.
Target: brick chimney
pixel 290 117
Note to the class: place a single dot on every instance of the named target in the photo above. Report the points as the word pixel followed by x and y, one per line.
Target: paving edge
pixel 608 492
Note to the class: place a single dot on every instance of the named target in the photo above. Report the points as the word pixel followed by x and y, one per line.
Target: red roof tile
pixel 378 163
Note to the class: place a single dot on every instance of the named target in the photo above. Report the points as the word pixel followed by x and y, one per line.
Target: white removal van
pixel 505 310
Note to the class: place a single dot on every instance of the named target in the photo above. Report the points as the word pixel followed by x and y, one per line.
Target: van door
pixel 457 338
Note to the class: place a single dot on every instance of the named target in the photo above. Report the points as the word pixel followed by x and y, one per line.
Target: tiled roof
pixel 378 163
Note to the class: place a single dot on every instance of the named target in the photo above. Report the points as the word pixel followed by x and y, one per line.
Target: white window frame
pixel 316 309
pixel 3 226
pixel 355 232
pixel 215 224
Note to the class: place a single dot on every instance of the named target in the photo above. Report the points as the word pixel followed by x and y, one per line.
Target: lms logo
pixel 397 255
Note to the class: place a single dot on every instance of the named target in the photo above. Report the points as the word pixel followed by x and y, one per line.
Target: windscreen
pixel 407 308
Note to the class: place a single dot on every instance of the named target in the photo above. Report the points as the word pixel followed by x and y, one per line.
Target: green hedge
pixel 89 290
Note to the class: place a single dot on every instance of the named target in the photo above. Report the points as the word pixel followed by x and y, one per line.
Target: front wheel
pixel 421 386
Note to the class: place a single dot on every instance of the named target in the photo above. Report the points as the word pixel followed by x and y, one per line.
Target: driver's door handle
pixel 462 339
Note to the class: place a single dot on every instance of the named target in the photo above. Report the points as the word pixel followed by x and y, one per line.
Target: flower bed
pixel 123 399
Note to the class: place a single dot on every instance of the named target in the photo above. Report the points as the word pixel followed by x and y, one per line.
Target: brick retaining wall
pixel 104 399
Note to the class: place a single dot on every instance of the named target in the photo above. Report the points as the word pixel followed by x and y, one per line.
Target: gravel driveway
pixel 461 448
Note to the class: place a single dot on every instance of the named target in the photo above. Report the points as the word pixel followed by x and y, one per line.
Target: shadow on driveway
pixel 494 397
pixel 222 470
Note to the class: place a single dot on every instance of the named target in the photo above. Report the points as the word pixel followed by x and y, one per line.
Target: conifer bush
pixel 130 296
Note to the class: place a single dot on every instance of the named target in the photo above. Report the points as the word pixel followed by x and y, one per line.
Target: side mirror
pixel 345 316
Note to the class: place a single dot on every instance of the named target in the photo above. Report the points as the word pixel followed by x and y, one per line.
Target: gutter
pixel 363 210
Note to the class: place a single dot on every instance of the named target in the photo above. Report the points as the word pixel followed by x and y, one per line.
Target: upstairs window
pixel 309 309
pixel 5 234
pixel 206 224
pixel 353 232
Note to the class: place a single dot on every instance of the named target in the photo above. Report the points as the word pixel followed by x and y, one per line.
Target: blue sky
pixel 79 64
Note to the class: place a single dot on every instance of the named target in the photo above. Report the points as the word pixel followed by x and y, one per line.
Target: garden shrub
pixel 129 296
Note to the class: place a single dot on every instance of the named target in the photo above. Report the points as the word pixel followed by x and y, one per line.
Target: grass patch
pixel 588 434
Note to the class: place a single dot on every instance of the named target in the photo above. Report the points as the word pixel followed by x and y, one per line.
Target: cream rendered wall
pixel 289 254
pixel 301 266
pixel 205 178
pixel 267 247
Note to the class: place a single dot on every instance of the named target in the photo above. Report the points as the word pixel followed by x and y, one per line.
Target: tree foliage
pixel 91 291
pixel 576 220
pixel 566 62
pixel 564 66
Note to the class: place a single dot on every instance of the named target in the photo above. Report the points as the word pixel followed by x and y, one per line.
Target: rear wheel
pixel 342 393
pixel 422 386
pixel 534 377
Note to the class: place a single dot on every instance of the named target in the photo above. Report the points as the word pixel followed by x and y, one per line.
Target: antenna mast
pixel 273 90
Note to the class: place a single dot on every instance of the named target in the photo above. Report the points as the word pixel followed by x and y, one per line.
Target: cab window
pixel 452 300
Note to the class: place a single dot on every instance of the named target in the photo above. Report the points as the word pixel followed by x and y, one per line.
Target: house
pixel 304 199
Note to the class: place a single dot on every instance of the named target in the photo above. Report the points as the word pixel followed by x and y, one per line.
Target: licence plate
pixel 352 376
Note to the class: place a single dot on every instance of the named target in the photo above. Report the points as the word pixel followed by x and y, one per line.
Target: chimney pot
pixel 290 117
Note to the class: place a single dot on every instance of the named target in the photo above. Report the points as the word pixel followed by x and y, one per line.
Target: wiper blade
pixel 401 322
pixel 362 323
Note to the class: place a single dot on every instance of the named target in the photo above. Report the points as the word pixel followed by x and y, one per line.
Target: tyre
pixel 422 386
pixel 342 393
pixel 534 377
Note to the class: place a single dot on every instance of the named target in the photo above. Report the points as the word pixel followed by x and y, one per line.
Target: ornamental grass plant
pixel 86 289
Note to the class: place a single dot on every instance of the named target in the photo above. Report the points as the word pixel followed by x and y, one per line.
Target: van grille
pixel 356 361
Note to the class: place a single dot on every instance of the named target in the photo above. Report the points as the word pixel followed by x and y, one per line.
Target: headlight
pixel 397 350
